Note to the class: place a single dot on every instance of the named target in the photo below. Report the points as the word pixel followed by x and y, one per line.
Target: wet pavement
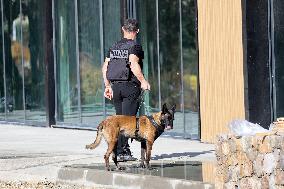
pixel 165 175
pixel 187 170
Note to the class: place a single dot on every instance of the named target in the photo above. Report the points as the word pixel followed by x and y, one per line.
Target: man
pixel 124 80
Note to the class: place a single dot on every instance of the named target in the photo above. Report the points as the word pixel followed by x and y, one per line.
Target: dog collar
pixel 159 129
pixel 152 120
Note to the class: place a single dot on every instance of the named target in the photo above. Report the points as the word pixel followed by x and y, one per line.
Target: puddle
pixel 188 170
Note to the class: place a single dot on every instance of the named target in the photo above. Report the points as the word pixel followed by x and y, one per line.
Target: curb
pixel 125 180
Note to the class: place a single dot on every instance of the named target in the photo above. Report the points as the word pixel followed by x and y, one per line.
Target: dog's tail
pixel 98 138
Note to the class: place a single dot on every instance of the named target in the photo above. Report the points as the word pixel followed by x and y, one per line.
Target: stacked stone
pixel 250 162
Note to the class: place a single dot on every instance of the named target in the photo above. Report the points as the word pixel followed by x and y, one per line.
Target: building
pixel 217 60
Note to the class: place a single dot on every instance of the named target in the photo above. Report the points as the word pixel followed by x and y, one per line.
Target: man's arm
pixel 108 91
pixel 104 70
pixel 136 69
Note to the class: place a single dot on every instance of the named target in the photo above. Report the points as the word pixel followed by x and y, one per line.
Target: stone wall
pixel 250 162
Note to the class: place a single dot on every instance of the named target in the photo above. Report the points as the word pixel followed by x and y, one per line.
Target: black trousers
pixel 126 102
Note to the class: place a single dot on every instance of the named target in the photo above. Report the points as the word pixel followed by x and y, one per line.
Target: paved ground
pixel 34 153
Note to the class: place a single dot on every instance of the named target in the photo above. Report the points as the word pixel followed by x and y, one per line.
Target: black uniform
pixel 126 92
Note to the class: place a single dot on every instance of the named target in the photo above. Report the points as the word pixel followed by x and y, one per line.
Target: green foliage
pixel 170 52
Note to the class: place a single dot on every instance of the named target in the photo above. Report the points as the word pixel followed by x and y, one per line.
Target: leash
pixel 159 129
pixel 142 101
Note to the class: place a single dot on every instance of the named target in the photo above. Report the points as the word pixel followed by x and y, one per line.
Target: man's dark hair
pixel 130 25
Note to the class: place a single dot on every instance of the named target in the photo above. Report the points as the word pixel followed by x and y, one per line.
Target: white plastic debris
pixel 271 126
pixel 245 128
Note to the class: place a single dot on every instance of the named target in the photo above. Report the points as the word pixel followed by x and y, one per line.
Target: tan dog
pixel 145 129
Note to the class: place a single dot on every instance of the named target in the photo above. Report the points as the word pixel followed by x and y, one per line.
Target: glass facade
pixel 34 69
pixel 23 84
pixel 171 61
pixel 14 60
pixel 83 32
pixel 278 63
pixel 190 67
pixel 2 80
pixel 90 61
pixel 66 62
pixel 79 83
pixel 111 15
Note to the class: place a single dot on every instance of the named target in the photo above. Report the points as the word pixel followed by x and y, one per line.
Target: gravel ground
pixel 40 185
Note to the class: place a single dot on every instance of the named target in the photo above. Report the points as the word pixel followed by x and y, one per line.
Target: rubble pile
pixel 251 162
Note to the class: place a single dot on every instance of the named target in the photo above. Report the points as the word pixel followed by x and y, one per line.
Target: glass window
pixel 34 68
pixel 278 8
pixel 168 60
pixel 112 25
pixel 89 35
pixel 148 38
pixel 90 62
pixel 14 60
pixel 2 95
pixel 66 65
pixel 190 68
pixel 112 33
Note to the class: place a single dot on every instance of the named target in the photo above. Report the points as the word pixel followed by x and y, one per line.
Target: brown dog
pixel 145 129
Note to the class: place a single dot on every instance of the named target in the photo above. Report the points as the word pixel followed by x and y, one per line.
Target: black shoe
pixel 129 158
pixel 125 157
pixel 120 158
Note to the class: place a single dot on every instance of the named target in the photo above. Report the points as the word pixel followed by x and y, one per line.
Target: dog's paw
pixel 148 167
pixel 120 168
pixel 141 165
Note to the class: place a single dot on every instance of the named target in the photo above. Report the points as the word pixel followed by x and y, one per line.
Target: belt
pixel 120 82
pixel 116 82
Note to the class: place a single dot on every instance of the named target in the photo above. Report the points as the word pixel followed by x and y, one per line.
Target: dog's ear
pixel 174 108
pixel 164 109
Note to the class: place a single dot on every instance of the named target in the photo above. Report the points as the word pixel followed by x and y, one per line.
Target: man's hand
pixel 136 69
pixel 108 92
pixel 145 85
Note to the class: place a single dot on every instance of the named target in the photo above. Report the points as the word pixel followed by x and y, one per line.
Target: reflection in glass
pixel 148 38
pixel 24 59
pixel 190 68
pixel 170 61
pixel 13 56
pixel 278 8
pixel 66 66
pixel 112 33
pixel 170 58
pixel 2 94
pixel 90 62
pixel 32 24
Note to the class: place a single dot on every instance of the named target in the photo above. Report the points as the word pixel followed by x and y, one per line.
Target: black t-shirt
pixel 136 49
